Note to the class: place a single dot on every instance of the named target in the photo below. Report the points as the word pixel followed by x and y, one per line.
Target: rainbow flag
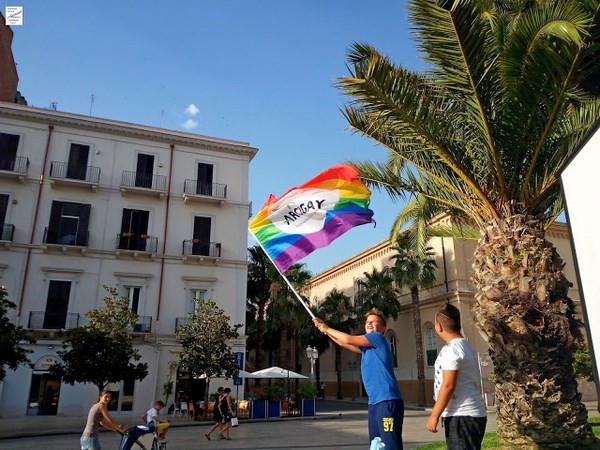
pixel 311 216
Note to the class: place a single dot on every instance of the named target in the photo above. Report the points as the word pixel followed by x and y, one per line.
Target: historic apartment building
pixel 453 258
pixel 84 202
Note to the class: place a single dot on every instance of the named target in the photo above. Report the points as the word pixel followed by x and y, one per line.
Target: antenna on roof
pixel 91 103
pixel 53 106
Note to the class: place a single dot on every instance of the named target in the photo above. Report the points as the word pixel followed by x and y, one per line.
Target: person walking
pixel 457 386
pixel 226 413
pixel 217 418
pixel 386 405
pixel 98 415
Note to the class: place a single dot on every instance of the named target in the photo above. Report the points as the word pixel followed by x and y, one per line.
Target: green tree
pixel 377 290
pixel 338 312
pixel 509 91
pixel 102 352
pixel 206 343
pixel 414 271
pixel 12 338
pixel 260 271
pixel 582 361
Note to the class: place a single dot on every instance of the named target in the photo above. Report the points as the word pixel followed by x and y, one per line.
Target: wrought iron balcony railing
pixel 199 248
pixel 63 170
pixel 144 325
pixel 179 321
pixel 55 236
pixel 199 187
pixel 139 242
pixel 17 164
pixel 44 320
pixel 7 230
pixel 143 180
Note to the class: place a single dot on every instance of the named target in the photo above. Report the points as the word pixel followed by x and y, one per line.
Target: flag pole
pixel 284 277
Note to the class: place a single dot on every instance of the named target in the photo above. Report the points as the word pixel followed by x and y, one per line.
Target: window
pixel 201 236
pixel 134 229
pixel 359 292
pixel 394 348
pixel 144 170
pixel 68 224
pixel 133 294
pixel 204 183
pixel 121 395
pixel 8 151
pixel 431 344
pixel 78 161
pixel 57 305
pixel 6 230
pixel 196 294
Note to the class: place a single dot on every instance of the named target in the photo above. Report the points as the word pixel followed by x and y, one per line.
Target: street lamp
pixel 352 368
pixel 312 354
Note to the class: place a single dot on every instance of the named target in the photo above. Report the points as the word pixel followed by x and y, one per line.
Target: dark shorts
pixel 464 432
pixel 385 421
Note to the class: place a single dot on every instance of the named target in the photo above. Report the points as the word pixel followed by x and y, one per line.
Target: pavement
pixel 337 425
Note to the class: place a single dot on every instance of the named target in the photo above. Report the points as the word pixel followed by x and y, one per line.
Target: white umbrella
pixel 278 372
pixel 244 374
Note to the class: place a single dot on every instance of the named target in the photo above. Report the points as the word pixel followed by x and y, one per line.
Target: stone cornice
pixel 125 129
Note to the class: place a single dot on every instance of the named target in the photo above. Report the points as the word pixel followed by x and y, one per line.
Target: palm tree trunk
pixel 416 308
pixel 523 311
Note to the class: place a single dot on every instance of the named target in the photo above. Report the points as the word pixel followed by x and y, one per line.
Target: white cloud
pixel 189 124
pixel 192 110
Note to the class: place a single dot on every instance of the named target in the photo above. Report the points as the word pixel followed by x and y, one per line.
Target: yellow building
pixel 453 258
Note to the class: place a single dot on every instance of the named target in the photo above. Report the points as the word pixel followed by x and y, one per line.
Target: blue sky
pixel 261 72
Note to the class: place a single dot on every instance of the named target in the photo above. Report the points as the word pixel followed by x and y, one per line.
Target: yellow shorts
pixel 162 426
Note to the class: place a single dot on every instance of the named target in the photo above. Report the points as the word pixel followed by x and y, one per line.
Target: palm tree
pixel 259 282
pixel 377 291
pixel 510 90
pixel 337 311
pixel 415 271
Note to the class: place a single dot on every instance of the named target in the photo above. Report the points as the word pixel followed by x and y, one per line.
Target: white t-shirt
pixel 150 414
pixel 467 399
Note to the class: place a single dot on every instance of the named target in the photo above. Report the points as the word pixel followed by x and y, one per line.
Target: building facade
pixel 158 214
pixel 454 258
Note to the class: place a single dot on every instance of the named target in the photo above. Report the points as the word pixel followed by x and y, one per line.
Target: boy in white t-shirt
pixel 457 386
pixel 162 426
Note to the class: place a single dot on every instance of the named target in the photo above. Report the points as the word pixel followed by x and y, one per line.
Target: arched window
pixel 431 346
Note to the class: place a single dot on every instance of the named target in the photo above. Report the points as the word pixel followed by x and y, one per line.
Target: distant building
pixel 159 214
pixel 9 79
pixel 454 258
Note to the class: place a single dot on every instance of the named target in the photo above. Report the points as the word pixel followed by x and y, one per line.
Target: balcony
pixel 144 325
pixel 63 174
pixel 135 243
pixel 143 183
pixel 7 231
pixel 42 320
pixel 179 321
pixel 15 168
pixel 194 249
pixel 54 238
pixel 200 192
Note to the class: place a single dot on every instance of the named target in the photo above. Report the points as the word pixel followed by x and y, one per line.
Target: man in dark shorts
pixel 386 405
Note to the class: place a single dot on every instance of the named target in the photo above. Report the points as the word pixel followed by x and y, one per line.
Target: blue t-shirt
pixel 378 371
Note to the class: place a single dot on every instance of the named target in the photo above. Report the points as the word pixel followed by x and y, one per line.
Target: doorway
pixel 44 394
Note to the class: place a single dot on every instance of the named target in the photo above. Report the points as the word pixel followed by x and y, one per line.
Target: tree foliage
pixel 12 338
pixel 102 352
pixel 206 343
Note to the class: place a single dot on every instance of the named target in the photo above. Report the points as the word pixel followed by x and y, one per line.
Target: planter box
pixel 273 408
pixel 258 409
pixel 308 407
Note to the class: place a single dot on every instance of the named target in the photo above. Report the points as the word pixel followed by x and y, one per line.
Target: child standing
pixel 457 386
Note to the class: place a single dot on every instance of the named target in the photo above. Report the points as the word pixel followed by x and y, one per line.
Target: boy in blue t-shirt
pixel 386 406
